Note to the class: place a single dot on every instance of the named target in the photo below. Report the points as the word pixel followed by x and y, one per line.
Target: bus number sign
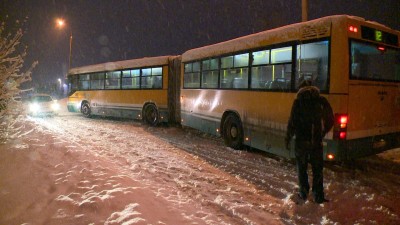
pixel 378 36
pixel 372 34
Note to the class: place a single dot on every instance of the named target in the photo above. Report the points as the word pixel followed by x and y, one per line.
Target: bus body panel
pixel 374 118
pixel 120 103
pixel 264 114
pixel 203 110
pixel 264 118
pixel 123 103
pixel 339 67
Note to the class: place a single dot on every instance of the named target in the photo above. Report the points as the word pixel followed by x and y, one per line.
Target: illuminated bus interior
pixel 266 69
pixel 138 78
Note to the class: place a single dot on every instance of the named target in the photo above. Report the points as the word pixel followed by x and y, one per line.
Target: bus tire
pixel 233 132
pixel 85 109
pixel 150 115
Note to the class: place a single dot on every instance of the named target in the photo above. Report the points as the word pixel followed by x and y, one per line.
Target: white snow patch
pixel 21 146
pixel 60 214
pixel 126 217
pixel 325 220
pixel 287 201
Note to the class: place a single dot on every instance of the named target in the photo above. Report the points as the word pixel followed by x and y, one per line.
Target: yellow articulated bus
pixel 243 89
pixel 136 89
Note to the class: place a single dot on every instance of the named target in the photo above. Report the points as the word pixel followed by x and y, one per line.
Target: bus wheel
pixel 150 115
pixel 86 109
pixel 233 132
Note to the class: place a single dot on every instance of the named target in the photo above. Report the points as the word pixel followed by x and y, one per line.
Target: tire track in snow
pixel 276 177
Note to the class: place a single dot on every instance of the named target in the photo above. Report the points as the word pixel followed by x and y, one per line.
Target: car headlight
pixel 55 106
pixel 34 107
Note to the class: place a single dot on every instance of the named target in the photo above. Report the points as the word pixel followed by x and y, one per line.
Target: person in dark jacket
pixel 306 123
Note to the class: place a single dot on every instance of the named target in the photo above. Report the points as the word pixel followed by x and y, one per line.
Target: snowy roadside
pixel 47 180
pixel 54 174
pixel 73 170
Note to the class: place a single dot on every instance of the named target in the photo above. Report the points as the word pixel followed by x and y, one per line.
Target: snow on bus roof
pixel 118 65
pixel 288 33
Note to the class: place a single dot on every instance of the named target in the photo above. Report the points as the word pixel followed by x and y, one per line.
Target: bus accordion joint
pixel 340 127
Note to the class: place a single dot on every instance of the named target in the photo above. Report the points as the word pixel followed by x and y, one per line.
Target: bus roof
pixel 126 64
pixel 298 31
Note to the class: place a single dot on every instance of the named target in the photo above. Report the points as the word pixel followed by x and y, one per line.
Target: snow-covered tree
pixel 11 77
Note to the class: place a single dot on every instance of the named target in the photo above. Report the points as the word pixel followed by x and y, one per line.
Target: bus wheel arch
pixel 85 109
pixel 232 129
pixel 150 114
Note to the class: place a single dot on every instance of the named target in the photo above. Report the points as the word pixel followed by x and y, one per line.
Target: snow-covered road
pixel 105 171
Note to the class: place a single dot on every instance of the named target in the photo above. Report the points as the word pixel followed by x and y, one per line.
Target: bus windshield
pixel 374 62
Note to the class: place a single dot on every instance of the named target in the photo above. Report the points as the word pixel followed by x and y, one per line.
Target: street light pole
pixel 304 10
pixel 61 24
pixel 70 51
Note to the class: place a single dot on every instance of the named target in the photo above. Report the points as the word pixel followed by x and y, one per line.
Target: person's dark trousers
pixel 305 153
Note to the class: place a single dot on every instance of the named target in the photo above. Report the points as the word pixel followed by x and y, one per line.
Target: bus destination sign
pixel 379 36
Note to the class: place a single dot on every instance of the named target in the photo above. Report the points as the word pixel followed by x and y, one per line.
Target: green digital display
pixel 372 34
pixel 378 35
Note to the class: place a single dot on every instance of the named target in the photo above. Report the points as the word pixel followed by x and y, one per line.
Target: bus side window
pixel 157 83
pixel 234 71
pixel 261 77
pixel 280 84
pixel 191 77
pixel 226 83
pixel 238 83
pixel 84 82
pixel 312 63
pixel 275 85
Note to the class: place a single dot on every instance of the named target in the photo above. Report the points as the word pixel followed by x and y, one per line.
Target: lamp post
pixel 70 50
pixel 60 23
pixel 60 89
pixel 304 10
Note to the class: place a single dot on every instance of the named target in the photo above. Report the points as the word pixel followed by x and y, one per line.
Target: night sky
pixel 113 30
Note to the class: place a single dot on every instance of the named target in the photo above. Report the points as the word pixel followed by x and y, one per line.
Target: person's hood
pixel 308 92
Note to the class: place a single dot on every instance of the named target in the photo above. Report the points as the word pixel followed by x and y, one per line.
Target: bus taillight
pixel 343 121
pixel 340 127
pixel 382 49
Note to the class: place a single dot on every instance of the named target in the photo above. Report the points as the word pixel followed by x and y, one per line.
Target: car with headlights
pixel 43 105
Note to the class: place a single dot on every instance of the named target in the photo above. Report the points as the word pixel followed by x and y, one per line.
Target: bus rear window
pixel 374 62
